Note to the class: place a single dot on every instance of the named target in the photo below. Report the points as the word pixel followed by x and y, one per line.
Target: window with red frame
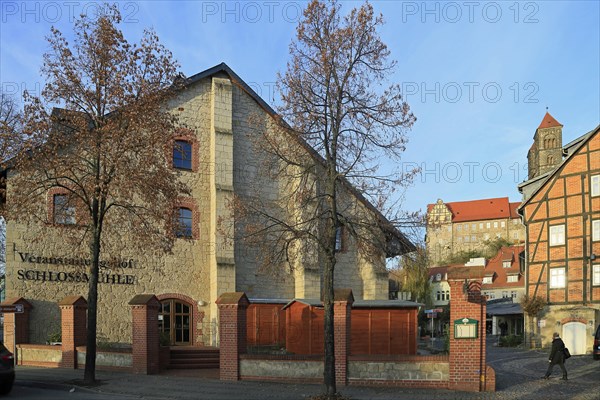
pixel 183 228
pixel 182 154
pixel 63 209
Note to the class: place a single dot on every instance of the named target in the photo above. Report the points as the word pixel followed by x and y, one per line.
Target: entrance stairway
pixel 194 357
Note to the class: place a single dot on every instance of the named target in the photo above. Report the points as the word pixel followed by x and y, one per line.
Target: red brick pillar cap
pixel 233 298
pixel 73 301
pixel 343 295
pixel 17 300
pixel 144 300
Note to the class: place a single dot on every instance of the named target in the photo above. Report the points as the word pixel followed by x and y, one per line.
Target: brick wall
pixel 232 333
pixel 468 368
pixel 16 326
pixel 145 354
pixel 73 313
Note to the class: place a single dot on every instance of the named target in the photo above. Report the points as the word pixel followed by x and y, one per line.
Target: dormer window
pixel 506 264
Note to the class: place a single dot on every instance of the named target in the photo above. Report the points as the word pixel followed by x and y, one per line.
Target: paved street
pixel 518 374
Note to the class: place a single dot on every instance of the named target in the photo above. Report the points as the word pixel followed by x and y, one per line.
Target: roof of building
pixel 442 270
pixel 540 181
pixel 399 246
pixel 361 303
pixel 484 209
pixel 496 266
pixel 549 121
pixel 503 307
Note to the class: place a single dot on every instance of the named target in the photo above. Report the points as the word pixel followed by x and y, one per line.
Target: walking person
pixel 557 356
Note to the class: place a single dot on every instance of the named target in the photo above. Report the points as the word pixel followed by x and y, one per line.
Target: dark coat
pixel 557 354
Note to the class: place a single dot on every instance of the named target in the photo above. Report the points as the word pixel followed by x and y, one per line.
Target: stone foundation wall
pixel 38 355
pixel 399 370
pixel 292 370
pixel 107 360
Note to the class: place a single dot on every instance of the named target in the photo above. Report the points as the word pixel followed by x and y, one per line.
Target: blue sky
pixel 478 75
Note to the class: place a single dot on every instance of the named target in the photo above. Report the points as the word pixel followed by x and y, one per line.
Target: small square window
pixel 481 225
pixel 502 224
pixel 557 235
pixel 496 225
pixel 487 279
pixel 596 275
pixel 459 228
pixel 513 294
pixel 64 211
pixel 512 278
pixel 488 225
pixel 557 278
pixel 466 239
pixel 506 264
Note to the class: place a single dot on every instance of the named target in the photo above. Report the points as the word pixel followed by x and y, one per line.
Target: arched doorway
pixel 574 335
pixel 175 320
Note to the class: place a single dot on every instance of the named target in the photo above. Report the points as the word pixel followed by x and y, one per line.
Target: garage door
pixel 574 335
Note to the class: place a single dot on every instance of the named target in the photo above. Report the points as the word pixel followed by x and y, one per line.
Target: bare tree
pixel 341 124
pixel 10 126
pixel 105 153
pixel 415 270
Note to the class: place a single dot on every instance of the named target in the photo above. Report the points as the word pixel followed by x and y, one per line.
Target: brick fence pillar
pixel 232 333
pixel 342 310
pixel 73 317
pixel 16 325
pixel 146 346
pixel 468 369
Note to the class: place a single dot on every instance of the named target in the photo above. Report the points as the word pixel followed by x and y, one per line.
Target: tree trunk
pixel 328 298
pixel 89 375
pixel 328 282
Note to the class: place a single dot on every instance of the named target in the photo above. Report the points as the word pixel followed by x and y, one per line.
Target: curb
pixel 53 386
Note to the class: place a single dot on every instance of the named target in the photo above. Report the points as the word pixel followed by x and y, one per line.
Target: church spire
pixel 549 122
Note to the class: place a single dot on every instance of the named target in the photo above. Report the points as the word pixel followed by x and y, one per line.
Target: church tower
pixel 545 153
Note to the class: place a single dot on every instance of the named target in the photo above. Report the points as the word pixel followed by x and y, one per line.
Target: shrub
pixel 510 340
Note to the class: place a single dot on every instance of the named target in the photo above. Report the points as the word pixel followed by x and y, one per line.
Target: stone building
pixel 546 151
pixel 220 163
pixel 466 225
pixel 561 212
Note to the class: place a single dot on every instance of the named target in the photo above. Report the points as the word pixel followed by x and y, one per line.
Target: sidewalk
pixel 173 386
pixel 518 373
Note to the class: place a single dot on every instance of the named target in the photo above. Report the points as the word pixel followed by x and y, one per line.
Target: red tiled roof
pixel 433 271
pixel 477 210
pixel 549 122
pixel 513 209
pixel 495 266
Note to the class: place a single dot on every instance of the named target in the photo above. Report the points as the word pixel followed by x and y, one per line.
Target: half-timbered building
pixel 561 212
